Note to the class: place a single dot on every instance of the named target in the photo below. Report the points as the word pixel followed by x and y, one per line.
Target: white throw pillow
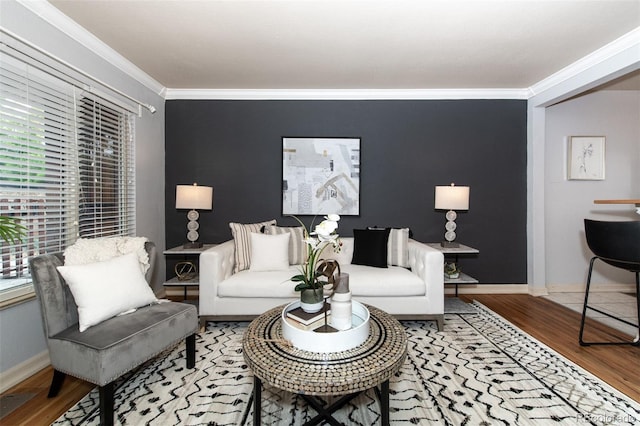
pixel 242 242
pixel 297 246
pixel 91 250
pixel 103 290
pixel 269 252
pixel 344 256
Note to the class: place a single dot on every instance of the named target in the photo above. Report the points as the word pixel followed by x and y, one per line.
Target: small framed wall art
pixel 320 176
pixel 586 158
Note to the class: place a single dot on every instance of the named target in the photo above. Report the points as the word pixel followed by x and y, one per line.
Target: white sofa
pixel 415 293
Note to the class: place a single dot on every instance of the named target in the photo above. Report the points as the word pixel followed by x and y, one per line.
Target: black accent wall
pixel 407 148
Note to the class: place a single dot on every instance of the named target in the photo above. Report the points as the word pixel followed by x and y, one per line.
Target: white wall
pixel 615 60
pixel 21 336
pixel 615 115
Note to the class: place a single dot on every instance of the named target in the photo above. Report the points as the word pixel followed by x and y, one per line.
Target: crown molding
pixel 344 94
pixel 630 42
pixel 63 23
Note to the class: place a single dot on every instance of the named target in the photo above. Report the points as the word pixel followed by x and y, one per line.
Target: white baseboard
pixel 539 291
pixel 23 371
pixel 487 289
pixel 596 288
pixel 536 291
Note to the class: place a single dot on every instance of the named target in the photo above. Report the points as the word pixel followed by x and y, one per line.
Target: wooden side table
pixel 455 252
pixel 312 374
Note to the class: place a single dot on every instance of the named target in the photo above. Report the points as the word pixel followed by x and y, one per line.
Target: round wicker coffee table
pixel 275 362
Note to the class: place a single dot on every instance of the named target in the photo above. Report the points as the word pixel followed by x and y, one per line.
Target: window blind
pixel 66 166
pixel 106 170
pixel 37 173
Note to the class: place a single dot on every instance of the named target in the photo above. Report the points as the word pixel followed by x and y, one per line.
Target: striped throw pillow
pixel 398 247
pixel 242 238
pixel 297 247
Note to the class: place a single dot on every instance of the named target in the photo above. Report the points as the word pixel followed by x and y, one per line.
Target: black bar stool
pixel 618 244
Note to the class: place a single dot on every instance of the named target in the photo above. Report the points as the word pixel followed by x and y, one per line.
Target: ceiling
pixel 353 44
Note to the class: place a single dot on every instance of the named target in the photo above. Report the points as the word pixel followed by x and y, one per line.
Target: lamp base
pixel 192 245
pixel 449 244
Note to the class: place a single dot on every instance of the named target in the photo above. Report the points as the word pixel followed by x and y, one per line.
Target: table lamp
pixel 451 198
pixel 193 197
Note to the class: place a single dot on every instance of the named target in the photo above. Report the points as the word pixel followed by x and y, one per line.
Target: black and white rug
pixel 481 370
pixel 453 305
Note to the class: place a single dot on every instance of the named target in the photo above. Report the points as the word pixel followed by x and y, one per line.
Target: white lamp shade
pixel 452 197
pixel 194 197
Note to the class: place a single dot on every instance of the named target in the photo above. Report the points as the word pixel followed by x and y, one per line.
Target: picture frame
pixel 586 158
pixel 321 175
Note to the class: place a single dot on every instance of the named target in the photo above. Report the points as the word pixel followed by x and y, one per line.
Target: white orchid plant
pixel 324 235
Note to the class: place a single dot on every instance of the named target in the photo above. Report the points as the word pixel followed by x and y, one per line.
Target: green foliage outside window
pixel 10 229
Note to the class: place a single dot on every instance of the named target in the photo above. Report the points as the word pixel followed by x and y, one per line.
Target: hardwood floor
pixel 550 323
pixel 41 410
pixel 558 327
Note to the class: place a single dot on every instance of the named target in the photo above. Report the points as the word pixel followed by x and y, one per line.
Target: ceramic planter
pixel 312 300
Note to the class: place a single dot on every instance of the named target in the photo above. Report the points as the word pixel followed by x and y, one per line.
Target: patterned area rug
pixel 453 305
pixel 481 370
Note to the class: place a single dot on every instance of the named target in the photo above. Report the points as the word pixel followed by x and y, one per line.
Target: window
pixel 106 170
pixel 66 167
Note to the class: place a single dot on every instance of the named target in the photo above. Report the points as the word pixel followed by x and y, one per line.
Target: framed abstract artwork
pixel 320 176
pixel 586 158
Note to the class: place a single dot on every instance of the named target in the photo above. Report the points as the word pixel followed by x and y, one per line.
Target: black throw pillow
pixel 370 247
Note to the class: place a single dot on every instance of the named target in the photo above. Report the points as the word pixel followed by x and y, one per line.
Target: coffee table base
pixel 324 413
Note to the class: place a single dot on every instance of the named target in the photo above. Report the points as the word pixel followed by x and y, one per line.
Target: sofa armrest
pixel 216 265
pixel 428 264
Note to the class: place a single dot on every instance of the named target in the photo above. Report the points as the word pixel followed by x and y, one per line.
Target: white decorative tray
pixel 328 342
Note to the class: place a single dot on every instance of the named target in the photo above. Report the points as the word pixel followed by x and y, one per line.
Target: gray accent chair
pixel 103 353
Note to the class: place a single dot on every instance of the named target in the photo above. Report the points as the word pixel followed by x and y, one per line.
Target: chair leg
pixel 586 303
pixel 106 404
pixel 635 341
pixel 191 351
pixel 56 383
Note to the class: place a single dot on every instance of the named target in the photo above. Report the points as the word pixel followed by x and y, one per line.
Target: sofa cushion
pixel 269 252
pixel 363 281
pixel 241 233
pixel 370 247
pixel 393 281
pixel 297 246
pixel 262 284
pixel 105 289
pixel 106 351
